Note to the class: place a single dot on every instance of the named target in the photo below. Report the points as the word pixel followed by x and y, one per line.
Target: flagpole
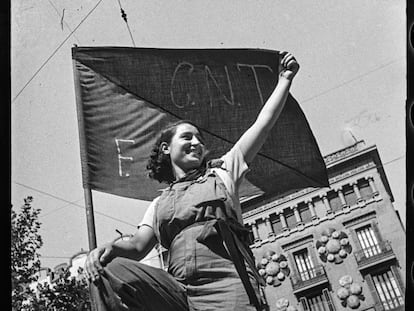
pixel 96 303
pixel 84 161
pixel 90 218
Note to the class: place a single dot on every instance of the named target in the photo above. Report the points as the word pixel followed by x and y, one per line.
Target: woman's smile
pixel 196 151
pixel 186 149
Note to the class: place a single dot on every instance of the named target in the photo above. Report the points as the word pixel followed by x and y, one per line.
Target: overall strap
pixel 238 253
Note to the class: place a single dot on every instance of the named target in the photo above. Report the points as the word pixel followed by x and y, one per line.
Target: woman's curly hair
pixel 159 164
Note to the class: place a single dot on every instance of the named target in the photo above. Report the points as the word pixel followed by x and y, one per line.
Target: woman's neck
pixel 178 172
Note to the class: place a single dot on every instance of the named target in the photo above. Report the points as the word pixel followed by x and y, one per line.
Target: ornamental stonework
pixel 350 292
pixel 273 267
pixel 333 246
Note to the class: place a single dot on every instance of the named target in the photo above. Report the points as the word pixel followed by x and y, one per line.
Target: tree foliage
pixel 65 293
pixel 25 243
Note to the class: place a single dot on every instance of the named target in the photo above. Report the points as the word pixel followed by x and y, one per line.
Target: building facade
pixel 332 249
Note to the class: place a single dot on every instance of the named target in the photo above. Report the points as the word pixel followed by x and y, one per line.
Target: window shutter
pixel 397 276
pixel 355 239
pixel 292 264
pixel 328 299
pixel 371 286
pixel 312 252
pixel 376 231
pixel 304 303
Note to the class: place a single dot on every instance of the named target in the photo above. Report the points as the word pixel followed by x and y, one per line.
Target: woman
pixel 198 219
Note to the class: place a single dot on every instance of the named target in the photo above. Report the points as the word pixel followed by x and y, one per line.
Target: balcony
pixel 379 307
pixel 308 279
pixel 374 255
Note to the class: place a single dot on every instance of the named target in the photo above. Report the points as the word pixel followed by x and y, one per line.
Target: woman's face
pixel 186 149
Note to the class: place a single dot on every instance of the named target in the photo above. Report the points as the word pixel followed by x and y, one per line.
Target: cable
pixel 351 80
pixel 125 18
pixel 71 203
pixel 391 161
pixel 66 257
pixel 55 51
pixel 158 255
pixel 113 218
pixel 66 24
pixel 59 208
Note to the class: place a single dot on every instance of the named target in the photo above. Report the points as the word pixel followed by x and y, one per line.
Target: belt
pixel 238 251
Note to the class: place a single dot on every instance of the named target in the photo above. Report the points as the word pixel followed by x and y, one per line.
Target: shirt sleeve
pixel 235 165
pixel 148 218
pixel 232 171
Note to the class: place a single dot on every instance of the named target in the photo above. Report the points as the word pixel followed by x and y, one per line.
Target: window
pixel 304 264
pixel 334 202
pixel 320 301
pixel 305 213
pixel 350 196
pixel 388 290
pixel 290 218
pixel 365 189
pixel 250 236
pixel 262 231
pixel 368 241
pixel 275 222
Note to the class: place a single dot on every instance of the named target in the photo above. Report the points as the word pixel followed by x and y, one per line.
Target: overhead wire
pixel 68 257
pixel 120 220
pixel 391 161
pixel 59 208
pixel 55 51
pixel 351 80
pixel 157 255
pixel 125 18
pixel 74 204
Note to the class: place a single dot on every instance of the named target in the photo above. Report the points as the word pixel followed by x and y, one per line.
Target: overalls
pixel 208 253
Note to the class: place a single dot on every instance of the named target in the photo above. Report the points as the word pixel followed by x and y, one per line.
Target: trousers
pixel 199 277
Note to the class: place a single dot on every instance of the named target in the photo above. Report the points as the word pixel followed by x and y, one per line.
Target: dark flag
pixel 125 96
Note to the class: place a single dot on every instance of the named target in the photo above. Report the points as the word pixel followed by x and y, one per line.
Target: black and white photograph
pixel 208 155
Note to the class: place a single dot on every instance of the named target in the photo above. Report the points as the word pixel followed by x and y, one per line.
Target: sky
pixel 352 79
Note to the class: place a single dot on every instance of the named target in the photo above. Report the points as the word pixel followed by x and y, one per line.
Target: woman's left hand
pixel 288 67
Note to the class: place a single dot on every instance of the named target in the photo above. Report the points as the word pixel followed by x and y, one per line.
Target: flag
pixel 126 96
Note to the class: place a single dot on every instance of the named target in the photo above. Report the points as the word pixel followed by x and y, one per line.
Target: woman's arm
pixel 253 139
pixel 136 248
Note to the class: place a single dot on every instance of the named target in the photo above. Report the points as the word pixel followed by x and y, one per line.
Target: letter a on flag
pixel 126 96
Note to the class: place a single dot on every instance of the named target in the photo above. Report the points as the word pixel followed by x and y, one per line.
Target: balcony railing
pixel 373 255
pixel 309 278
pixel 379 307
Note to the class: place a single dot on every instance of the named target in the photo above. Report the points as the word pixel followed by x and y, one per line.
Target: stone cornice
pixel 345 152
pixel 305 191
